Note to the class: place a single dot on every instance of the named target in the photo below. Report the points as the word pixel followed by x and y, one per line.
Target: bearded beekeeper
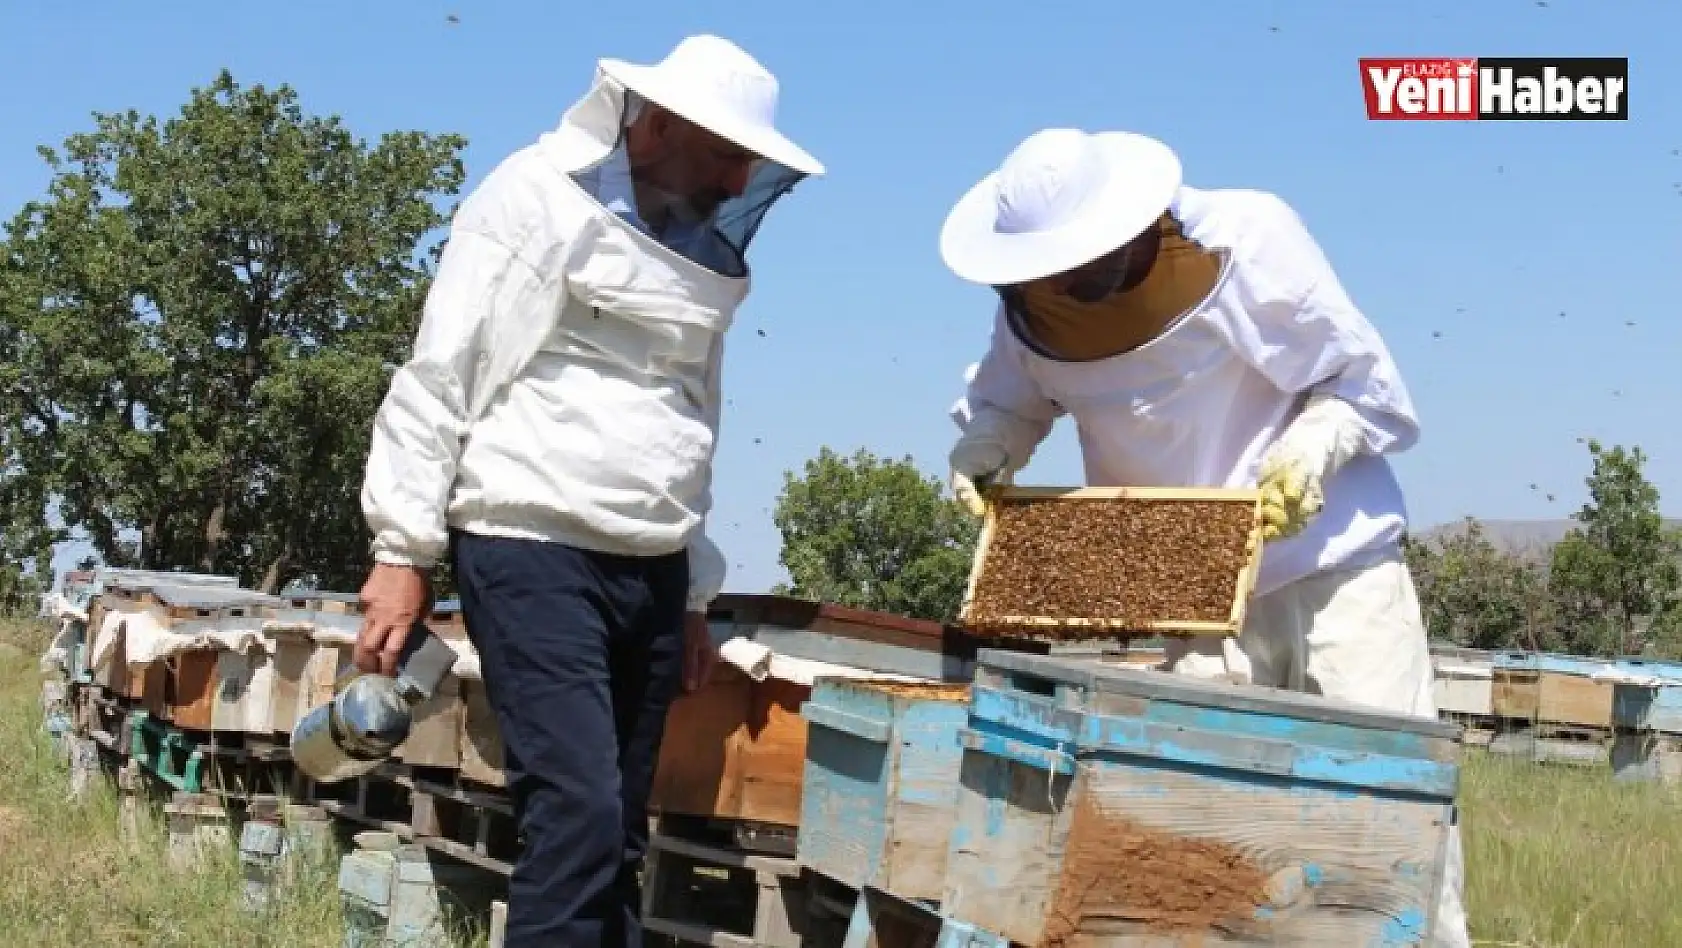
pixel 1200 338
pixel 554 433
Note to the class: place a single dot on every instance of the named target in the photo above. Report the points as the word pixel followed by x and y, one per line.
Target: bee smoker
pixel 370 714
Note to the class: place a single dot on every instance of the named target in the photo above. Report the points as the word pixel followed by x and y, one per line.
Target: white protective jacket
pixel 565 380
pixel 1200 405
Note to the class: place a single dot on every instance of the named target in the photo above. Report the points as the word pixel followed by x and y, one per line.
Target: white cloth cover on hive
pixel 147 636
pixel 759 662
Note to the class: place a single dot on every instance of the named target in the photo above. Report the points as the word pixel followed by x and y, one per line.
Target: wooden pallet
pixel 766 839
pixel 205 762
pixel 723 896
pixel 1243 582
pixel 880 920
pixel 431 808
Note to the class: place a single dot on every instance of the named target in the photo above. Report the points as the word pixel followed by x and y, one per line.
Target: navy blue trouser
pixel 582 654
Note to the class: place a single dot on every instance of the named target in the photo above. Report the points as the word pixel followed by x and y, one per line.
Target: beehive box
pixel 1101 805
pixel 1553 698
pixel 1515 693
pixel 881 783
pixel 1065 563
pixel 305 669
pixel 479 744
pixel 1651 708
pixel 244 694
pixel 187 686
pixel 435 735
pixel 293 650
pixel 1464 688
pixel 736 749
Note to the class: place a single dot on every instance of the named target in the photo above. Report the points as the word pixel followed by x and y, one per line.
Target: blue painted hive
pixel 1638 708
pixel 881 783
pixel 1103 805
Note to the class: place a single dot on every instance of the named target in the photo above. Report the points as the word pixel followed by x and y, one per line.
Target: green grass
pixel 1555 856
pixel 1560 856
pixel 69 878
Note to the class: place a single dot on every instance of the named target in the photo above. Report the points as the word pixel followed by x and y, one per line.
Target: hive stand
pixel 419 806
pixel 758 903
pixel 1647 740
pixel 881 920
pixel 398 894
pixel 197 824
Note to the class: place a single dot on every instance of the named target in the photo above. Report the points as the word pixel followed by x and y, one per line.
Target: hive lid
pixel 1182 689
pixel 195 596
pixel 1670 671
pixel 308 598
pixel 791 612
pixel 140 579
pixel 1549 662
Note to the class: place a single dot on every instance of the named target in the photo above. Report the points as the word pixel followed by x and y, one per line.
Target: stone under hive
pixel 1080 563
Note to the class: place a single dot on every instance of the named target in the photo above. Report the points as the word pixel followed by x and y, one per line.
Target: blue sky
pixel 1484 233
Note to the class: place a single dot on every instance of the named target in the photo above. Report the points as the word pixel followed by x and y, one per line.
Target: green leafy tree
pixel 1616 575
pixel 873 533
pixel 197 323
pixel 1476 595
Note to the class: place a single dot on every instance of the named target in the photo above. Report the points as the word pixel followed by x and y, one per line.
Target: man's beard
pixel 667 207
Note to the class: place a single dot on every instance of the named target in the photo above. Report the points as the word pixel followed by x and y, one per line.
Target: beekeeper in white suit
pixel 1200 338
pixel 554 432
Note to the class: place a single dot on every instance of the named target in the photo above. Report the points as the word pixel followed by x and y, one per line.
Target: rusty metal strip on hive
pixel 1243 587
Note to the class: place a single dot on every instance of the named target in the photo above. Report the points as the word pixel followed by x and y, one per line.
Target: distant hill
pixel 1517 536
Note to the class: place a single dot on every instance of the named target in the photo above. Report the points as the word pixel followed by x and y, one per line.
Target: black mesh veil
pixel 733 224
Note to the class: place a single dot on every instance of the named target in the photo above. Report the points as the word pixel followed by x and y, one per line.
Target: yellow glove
pixel 1313 447
pixel 1291 496
pixel 970 491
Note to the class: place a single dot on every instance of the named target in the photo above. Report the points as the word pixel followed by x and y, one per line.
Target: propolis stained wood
pixel 1099 805
pixel 1070 562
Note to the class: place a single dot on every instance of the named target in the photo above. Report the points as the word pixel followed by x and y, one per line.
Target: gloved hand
pixel 1312 448
pixel 977 463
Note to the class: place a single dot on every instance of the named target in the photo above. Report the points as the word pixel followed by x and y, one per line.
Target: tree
pixel 874 534
pixel 197 323
pixel 1476 595
pixel 1616 575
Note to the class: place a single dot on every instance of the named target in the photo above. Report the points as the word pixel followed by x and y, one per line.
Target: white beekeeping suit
pixel 555 300
pixel 1200 338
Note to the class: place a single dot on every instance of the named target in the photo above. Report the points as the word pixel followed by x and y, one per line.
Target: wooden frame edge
pixel 983 543
pixel 1254 548
pixel 1014 492
pixel 1165 626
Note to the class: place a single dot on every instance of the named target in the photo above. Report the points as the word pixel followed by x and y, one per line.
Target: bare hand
pixel 393 598
pixel 699 653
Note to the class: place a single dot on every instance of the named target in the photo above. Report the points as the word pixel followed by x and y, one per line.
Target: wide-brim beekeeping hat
pixel 1061 199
